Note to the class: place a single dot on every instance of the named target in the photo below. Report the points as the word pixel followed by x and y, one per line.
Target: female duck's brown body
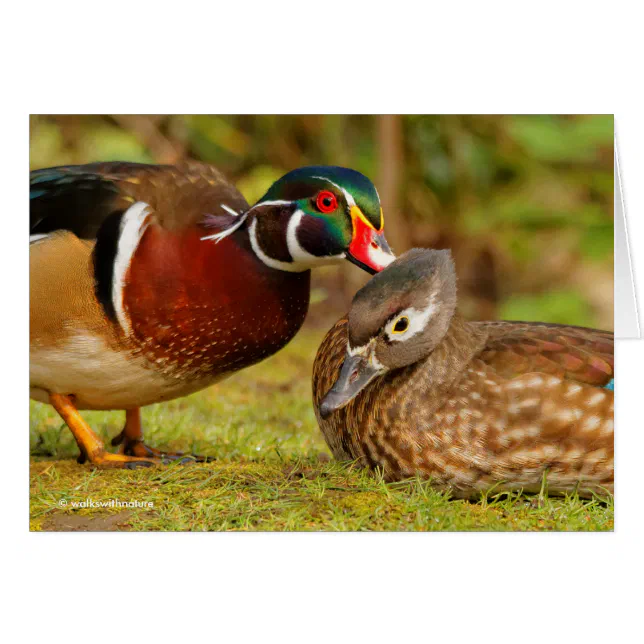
pixel 502 405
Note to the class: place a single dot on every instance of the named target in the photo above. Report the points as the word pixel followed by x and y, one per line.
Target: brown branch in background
pixel 390 161
pixel 146 129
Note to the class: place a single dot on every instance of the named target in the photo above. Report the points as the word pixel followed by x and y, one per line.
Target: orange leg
pixel 89 443
pixel 131 441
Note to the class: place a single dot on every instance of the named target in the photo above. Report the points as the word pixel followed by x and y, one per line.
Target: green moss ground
pixel 273 470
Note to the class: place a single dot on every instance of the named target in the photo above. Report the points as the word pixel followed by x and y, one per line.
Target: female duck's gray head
pixel 396 319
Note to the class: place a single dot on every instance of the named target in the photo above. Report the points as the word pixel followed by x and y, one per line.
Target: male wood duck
pixel 406 385
pixel 151 282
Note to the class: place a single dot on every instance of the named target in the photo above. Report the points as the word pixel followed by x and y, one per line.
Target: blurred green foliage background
pixel 524 202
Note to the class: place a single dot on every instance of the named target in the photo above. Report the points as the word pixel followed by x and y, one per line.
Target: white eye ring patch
pixel 417 320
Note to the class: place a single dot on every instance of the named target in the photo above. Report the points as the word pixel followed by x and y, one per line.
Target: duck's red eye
pixel 326 201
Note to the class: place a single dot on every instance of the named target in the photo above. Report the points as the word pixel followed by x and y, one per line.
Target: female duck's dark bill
pixel 355 375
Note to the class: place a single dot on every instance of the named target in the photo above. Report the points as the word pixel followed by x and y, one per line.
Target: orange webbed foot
pixel 92 448
pixel 130 442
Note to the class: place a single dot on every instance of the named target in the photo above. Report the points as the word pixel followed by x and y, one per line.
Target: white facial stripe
pixel 133 224
pixel 302 259
pixel 269 261
pixel 35 238
pixel 347 196
pixel 241 218
pixel 368 350
pixel 277 202
pixel 217 237
pixel 358 351
pixel 297 252
pixel 418 319
pixel 229 210
pixel 300 255
pixel 375 363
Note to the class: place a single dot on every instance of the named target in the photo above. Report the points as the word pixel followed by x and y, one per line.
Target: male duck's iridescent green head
pixel 318 214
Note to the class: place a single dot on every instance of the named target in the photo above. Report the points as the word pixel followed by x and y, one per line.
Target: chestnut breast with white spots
pixel 200 310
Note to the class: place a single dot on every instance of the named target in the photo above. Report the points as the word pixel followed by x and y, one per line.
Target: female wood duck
pixel 406 385
pixel 152 282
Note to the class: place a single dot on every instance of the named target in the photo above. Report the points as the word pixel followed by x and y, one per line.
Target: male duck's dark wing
pixel 73 198
pixel 574 353
pixel 80 198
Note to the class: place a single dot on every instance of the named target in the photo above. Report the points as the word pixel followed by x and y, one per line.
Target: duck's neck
pixel 461 343
pixel 282 237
